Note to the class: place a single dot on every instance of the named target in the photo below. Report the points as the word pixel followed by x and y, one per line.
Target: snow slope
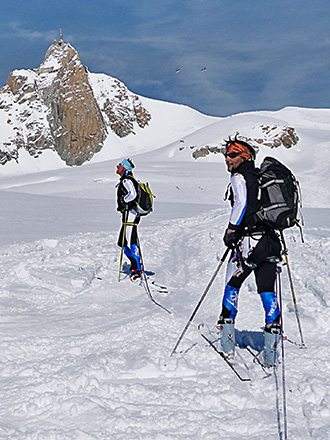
pixel 86 357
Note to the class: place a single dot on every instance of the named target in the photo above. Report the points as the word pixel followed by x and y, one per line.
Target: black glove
pixel 121 205
pixel 230 239
pixel 131 205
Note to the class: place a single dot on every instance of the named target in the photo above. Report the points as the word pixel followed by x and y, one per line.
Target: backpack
pixel 279 195
pixel 145 199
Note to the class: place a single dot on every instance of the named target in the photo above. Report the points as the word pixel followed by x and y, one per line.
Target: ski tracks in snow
pixel 86 357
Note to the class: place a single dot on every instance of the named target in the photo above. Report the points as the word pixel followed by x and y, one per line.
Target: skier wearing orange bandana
pixel 255 248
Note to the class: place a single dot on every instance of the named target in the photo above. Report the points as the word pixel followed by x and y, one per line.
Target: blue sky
pixel 259 55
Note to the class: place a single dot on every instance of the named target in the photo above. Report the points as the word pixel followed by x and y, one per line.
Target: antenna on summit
pixel 61 35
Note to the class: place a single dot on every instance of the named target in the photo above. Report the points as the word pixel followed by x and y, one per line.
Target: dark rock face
pixel 75 119
pixel 273 136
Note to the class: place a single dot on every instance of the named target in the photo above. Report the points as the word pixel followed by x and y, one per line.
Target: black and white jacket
pixel 243 196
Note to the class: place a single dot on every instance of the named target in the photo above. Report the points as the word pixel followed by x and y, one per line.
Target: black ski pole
pixel 285 253
pixel 201 299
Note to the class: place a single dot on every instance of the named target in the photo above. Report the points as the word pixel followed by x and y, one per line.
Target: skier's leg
pixel 128 229
pixel 265 277
pixel 272 339
pixel 235 277
pixel 122 242
pixel 134 244
pixel 271 307
pixel 226 323
pixel 137 257
pixel 128 252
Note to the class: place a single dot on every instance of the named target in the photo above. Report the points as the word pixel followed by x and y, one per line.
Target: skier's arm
pixel 131 191
pixel 238 184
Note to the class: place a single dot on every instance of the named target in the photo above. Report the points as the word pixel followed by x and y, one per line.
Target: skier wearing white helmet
pixel 127 195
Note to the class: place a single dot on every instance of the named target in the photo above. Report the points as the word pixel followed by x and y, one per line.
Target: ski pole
pixel 201 299
pixel 122 243
pixel 279 293
pixel 147 288
pixel 285 253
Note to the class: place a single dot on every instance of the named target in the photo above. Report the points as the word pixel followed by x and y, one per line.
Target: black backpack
pixel 279 195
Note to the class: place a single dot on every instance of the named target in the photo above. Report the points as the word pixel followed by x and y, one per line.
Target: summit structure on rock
pixel 63 107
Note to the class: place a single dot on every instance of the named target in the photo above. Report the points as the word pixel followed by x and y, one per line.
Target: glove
pixel 230 239
pixel 131 205
pixel 121 205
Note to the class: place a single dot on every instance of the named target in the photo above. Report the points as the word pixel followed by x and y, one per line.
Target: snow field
pixel 86 357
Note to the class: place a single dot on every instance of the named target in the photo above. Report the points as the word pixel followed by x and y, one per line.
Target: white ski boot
pixel 272 337
pixel 227 329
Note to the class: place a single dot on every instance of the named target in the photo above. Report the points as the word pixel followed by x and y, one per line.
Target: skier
pixel 254 248
pixel 126 203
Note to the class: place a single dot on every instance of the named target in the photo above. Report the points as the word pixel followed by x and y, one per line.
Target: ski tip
pixel 149 273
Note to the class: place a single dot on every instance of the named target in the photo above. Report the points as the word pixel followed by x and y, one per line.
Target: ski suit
pixel 258 249
pixel 126 203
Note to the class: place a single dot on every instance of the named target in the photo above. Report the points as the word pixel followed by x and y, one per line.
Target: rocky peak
pixel 61 106
pixel 75 120
pixel 58 55
pixel 271 136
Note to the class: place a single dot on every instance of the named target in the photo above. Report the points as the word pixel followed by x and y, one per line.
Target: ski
pixel 240 348
pixel 156 287
pixel 144 280
pixel 224 357
pixel 256 360
pixel 160 288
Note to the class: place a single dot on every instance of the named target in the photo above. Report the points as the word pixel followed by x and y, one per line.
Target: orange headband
pixel 236 147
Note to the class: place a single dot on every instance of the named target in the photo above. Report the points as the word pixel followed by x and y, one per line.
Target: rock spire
pixel 62 106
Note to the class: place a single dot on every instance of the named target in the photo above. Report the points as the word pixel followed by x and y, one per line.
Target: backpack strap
pixel 228 192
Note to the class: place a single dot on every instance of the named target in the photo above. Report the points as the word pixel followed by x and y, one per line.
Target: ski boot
pixel 135 275
pixel 272 337
pixel 227 329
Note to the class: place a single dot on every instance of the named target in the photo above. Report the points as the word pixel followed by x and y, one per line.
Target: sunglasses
pixel 232 155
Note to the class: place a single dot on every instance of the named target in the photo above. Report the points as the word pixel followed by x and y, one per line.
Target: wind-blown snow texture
pixel 86 357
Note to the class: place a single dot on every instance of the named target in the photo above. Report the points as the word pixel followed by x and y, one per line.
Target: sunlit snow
pixel 86 357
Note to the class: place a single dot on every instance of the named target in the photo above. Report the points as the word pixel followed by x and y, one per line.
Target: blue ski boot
pixel 272 337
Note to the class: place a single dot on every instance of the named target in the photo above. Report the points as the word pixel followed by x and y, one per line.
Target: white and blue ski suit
pixel 126 203
pixel 258 248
